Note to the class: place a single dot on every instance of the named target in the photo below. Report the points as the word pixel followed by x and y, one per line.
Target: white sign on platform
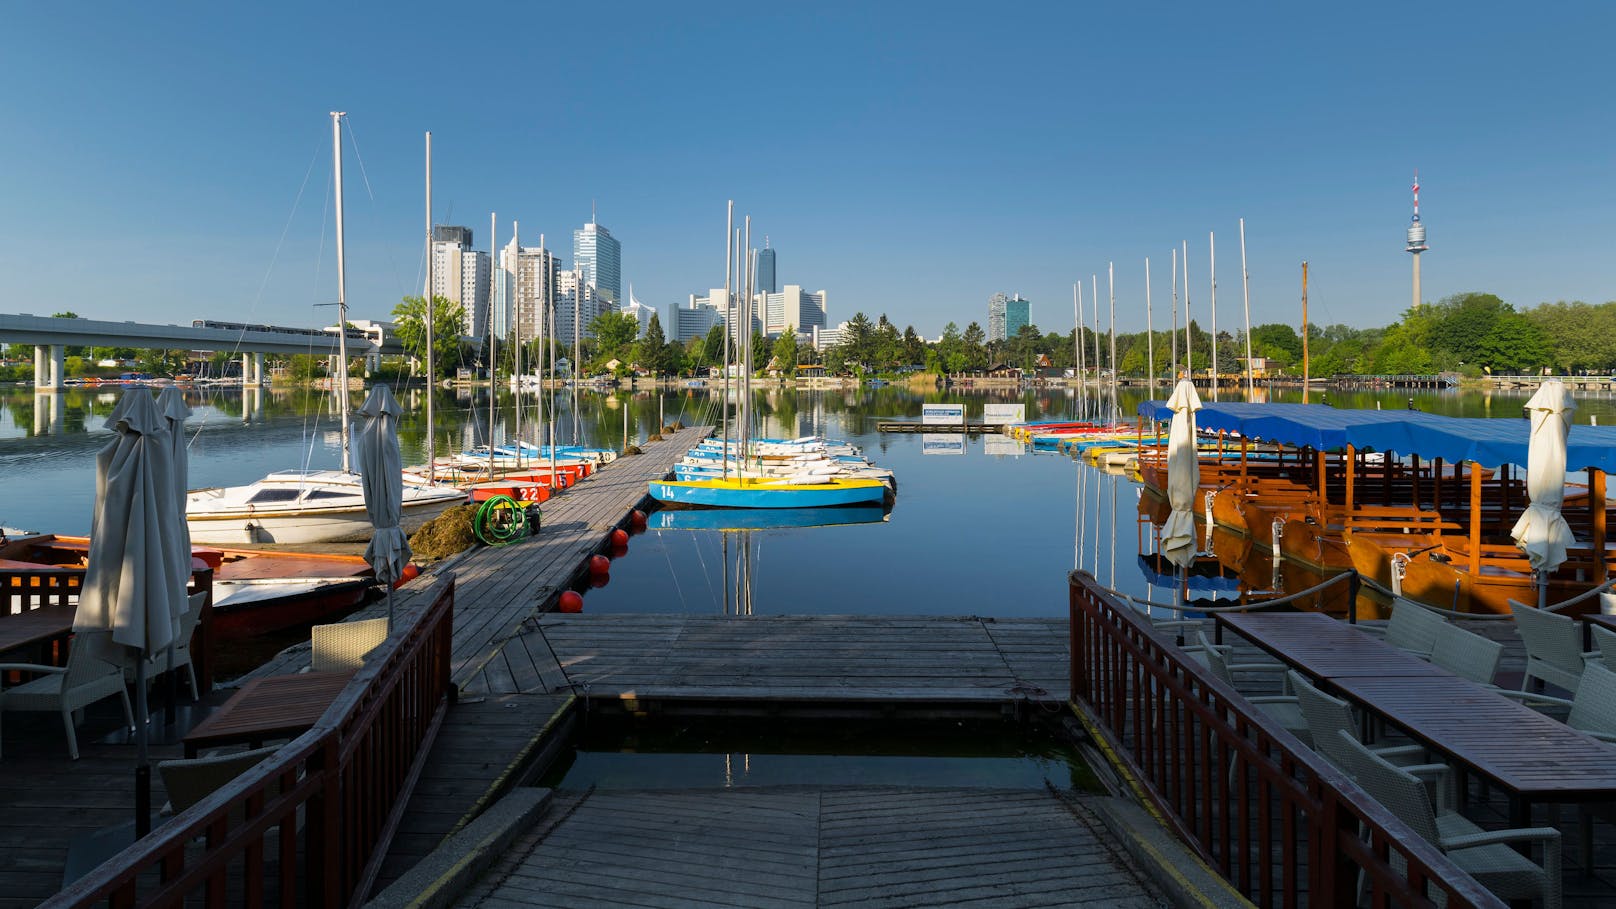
pixel 942 443
pixel 1000 414
pixel 942 414
pixel 995 444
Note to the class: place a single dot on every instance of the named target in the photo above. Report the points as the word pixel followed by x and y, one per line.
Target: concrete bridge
pixel 1580 383
pixel 50 336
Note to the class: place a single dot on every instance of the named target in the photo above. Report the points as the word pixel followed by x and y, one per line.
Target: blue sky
pixel 911 159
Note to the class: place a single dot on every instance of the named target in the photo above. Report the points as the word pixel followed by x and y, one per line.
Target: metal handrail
pixel 1348 576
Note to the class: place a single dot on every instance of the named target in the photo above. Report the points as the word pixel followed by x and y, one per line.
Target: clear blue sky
pixel 911 159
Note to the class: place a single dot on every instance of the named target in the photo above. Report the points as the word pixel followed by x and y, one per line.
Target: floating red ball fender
pixel 571 601
pixel 599 580
pixel 619 551
pixel 636 520
pixel 599 565
pixel 410 573
pixel 619 538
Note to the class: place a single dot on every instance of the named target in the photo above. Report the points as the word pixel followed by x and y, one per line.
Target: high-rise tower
pixel 1416 239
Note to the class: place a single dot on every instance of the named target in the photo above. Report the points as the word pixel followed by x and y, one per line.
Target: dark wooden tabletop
pixel 278 706
pixel 35 626
pixel 1517 748
pixel 1322 647
pixel 1600 619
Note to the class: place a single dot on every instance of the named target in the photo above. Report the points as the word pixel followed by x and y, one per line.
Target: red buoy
pixel 619 551
pixel 409 574
pixel 619 537
pixel 636 520
pixel 599 565
pixel 571 601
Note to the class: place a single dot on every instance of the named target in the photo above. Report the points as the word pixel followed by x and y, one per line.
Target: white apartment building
pixel 577 303
pixel 695 318
pixel 530 279
pixel 462 275
pixel 641 313
pixel 826 338
pixel 792 307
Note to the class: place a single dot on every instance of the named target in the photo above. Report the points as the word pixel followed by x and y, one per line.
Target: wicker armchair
pixel 1282 708
pixel 1553 647
pixel 1485 855
pixel 1591 710
pixel 191 780
pixel 1605 645
pixel 1326 716
pixel 1412 627
pixel 342 647
pixel 1466 654
pixel 157 662
pixel 68 689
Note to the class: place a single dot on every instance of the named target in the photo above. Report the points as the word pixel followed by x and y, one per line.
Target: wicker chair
pixel 157 662
pixel 1483 854
pixel 342 647
pixel 1466 654
pixel 1553 647
pixel 1281 708
pixel 1604 646
pixel 191 780
pixel 1327 715
pixel 1591 710
pixel 1412 627
pixel 68 689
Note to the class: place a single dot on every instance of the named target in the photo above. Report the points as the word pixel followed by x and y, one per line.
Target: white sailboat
pixel 310 506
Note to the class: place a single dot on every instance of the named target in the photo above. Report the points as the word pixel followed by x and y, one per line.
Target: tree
pixel 857 338
pixel 1462 322
pixel 951 355
pixel 1278 342
pixel 760 349
pixel 651 351
pixel 713 347
pixel 614 333
pixel 409 318
pixel 1513 345
pixel 785 350
pixel 976 355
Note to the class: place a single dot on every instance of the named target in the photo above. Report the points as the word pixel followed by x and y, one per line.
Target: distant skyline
pixel 166 164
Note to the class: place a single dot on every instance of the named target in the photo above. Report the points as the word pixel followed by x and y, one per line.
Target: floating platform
pixel 907 426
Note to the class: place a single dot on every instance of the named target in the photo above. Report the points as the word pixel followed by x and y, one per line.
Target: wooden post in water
pixel 1596 503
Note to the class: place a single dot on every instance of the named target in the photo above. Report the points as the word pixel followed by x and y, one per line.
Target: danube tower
pixel 1416 239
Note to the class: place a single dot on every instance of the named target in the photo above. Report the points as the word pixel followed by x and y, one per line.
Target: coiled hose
pixel 500 521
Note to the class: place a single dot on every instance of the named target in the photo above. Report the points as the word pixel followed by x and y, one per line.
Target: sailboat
pixel 310 506
pixel 742 480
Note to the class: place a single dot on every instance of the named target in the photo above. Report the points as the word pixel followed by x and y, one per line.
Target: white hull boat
pixel 303 506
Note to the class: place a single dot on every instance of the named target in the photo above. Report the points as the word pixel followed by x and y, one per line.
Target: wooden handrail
pixel 1277 821
pixel 320 811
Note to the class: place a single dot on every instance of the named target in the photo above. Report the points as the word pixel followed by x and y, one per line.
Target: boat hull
pixel 307 526
pixel 766 494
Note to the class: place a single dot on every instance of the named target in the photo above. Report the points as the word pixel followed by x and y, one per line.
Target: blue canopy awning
pixel 1486 441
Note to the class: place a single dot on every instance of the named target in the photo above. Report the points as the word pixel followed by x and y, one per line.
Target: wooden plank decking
pixel 814 846
pixel 831 658
pixel 496 589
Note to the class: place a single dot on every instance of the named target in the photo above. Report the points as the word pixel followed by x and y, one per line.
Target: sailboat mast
pixel 1150 331
pixel 546 338
pixel 516 291
pixel 1094 292
pixel 1189 336
pixel 493 337
pixel 1175 316
pixel 1212 267
pixel 729 320
pixel 746 348
pixel 1306 366
pixel 1077 345
pixel 431 369
pixel 1245 285
pixel 342 291
pixel 1111 279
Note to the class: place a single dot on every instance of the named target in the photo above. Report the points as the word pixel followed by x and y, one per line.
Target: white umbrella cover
pixel 133 585
pixel 1542 532
pixel 171 404
pixel 1183 476
pixel 381 469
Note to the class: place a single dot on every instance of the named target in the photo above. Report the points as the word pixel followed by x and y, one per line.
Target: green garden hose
pixel 500 521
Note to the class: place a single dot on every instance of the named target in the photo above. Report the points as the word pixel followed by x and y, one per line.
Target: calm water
pixel 980 527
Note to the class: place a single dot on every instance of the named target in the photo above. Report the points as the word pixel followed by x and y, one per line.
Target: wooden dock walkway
pixel 496 589
pixel 814 846
pixel 876 659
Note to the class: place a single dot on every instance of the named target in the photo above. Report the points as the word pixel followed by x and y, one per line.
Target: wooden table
pixel 1589 620
pixel 36 626
pixel 1324 648
pixel 1530 756
pixel 277 706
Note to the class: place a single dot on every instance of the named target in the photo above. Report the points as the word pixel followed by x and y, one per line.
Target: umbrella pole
pixel 142 759
pixel 389 610
pixel 173 690
pixel 1542 589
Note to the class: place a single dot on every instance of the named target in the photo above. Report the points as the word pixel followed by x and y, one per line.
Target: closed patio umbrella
pixel 1183 477
pixel 1542 532
pixel 133 588
pixel 381 470
pixel 171 404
